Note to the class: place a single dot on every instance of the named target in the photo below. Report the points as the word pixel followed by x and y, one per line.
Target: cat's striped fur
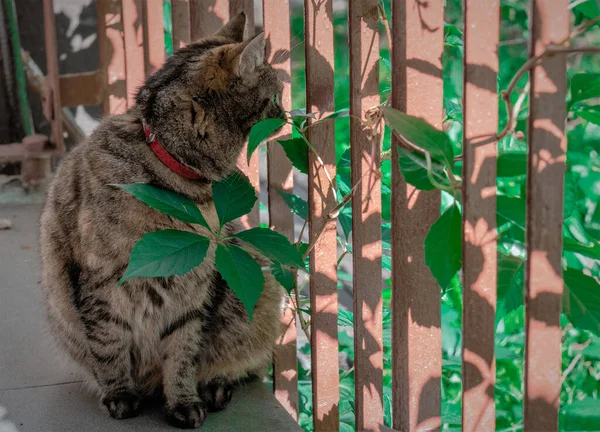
pixel 189 336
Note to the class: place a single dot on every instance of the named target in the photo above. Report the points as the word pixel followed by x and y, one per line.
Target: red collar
pixel 167 159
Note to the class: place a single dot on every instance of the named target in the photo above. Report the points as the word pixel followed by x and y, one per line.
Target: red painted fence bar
pixel 280 178
pixel 418 29
pixel 318 33
pixel 154 39
pixel 180 10
pixel 112 56
pixel 549 23
pixel 133 15
pixel 205 20
pixel 366 209
pixel 480 117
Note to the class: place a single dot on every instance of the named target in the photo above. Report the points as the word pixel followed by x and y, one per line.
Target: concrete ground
pixel 39 392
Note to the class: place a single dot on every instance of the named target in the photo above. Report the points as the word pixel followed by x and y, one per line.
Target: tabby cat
pixel 187 338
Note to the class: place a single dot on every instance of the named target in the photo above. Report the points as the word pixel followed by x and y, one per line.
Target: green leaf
pixel 420 133
pixel 273 245
pixel 511 283
pixel 386 262
pixel 589 113
pixel 443 246
pixel 345 318
pixel 284 276
pixel 511 210
pixel 570 195
pixel 243 275
pixel 590 9
pixel 166 253
pixel 167 202
pixel 592 351
pixel 583 302
pixel 345 220
pixel 413 167
pixel 512 164
pixel 584 86
pixel 295 203
pixel 233 197
pixel 297 152
pixel 581 415
pixel 261 131
pixel 344 112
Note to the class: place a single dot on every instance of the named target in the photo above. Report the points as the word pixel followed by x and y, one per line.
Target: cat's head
pixel 203 102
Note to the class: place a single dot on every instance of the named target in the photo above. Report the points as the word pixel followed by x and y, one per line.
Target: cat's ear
pixel 234 29
pixel 252 56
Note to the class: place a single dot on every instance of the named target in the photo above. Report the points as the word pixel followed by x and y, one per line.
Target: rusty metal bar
pixel 133 35
pixel 480 111
pixel 549 23
pixel 51 99
pixel 366 211
pixel 112 56
pixel 251 170
pixel 80 89
pixel 418 29
pixel 154 39
pixel 180 10
pixel 247 6
pixel 318 32
pixel 276 18
pixel 205 22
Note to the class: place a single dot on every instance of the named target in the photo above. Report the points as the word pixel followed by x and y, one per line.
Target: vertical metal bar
pixel 276 18
pixel 251 170
pixel 133 17
pixel 154 38
pixel 180 10
pixel 549 23
pixel 205 21
pixel 318 32
pixel 366 210
pixel 480 111
pixel 247 6
pixel 52 105
pixel 418 28
pixel 112 56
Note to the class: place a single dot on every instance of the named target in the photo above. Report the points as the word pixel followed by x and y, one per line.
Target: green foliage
pixel 166 202
pixel 173 252
pixel 272 245
pixel 421 134
pixel 284 276
pixel 261 131
pixel 295 203
pixel 443 246
pixel 297 152
pixel 243 275
pixel 166 253
pixel 234 197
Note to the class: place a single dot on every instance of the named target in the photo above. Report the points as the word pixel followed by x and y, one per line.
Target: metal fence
pixel 132 46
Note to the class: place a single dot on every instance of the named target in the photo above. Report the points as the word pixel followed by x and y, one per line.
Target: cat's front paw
pixel 186 415
pixel 216 395
pixel 122 405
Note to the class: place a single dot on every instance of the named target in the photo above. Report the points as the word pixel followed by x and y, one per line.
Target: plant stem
pixel 532 61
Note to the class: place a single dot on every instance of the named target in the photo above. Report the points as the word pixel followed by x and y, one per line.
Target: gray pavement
pixel 41 392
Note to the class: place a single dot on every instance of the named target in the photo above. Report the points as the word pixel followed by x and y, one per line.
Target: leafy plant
pixel 168 253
